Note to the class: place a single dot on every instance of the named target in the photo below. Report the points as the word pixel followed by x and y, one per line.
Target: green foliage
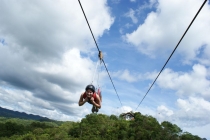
pixel 171 131
pixel 189 136
pixel 26 122
pixel 28 136
pixel 9 128
pixel 94 127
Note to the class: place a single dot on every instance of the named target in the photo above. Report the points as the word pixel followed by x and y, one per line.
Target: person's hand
pixel 86 99
pixel 91 99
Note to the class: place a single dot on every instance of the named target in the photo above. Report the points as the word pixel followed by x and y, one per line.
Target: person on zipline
pixel 91 97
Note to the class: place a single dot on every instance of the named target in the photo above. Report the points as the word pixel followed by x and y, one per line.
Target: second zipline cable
pixel 172 52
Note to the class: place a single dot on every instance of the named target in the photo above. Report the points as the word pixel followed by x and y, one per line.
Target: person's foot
pixel 93 109
pixel 96 109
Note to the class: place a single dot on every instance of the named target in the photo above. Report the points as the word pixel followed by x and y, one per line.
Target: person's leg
pixel 96 109
pixel 93 109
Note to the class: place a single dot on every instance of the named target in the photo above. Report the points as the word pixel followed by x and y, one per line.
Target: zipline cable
pixel 172 52
pixel 112 82
pixel 99 51
pixel 88 25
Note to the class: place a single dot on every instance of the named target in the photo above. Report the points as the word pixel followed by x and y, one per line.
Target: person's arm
pixel 81 101
pixel 97 103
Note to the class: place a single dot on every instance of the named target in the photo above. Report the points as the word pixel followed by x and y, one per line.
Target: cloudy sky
pixel 48 56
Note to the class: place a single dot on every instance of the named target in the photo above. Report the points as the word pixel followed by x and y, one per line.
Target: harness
pixel 94 96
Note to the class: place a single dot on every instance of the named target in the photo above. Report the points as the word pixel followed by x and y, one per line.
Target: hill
pixel 15 114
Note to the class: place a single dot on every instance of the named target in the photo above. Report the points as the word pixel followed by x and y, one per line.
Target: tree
pixel 8 129
pixel 189 136
pixel 171 131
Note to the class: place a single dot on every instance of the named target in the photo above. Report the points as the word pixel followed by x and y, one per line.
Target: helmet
pixel 91 87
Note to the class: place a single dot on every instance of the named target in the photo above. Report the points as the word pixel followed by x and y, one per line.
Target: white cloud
pixel 192 115
pixel 199 131
pixel 128 76
pixel 197 108
pixel 131 14
pixel 127 25
pixel 132 0
pixel 49 86
pixel 161 31
pixel 147 5
pixel 50 28
pixel 102 20
pixel 165 111
pixel 195 82
pixel 46 46
pixel 121 110
pixel 191 112
pixel 125 75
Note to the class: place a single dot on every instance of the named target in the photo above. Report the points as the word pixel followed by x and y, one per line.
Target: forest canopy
pixel 95 127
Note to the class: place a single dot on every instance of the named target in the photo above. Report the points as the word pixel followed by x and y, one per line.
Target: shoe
pixel 96 109
pixel 93 109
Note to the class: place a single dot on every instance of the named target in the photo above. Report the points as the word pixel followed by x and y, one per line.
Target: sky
pixel 48 57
